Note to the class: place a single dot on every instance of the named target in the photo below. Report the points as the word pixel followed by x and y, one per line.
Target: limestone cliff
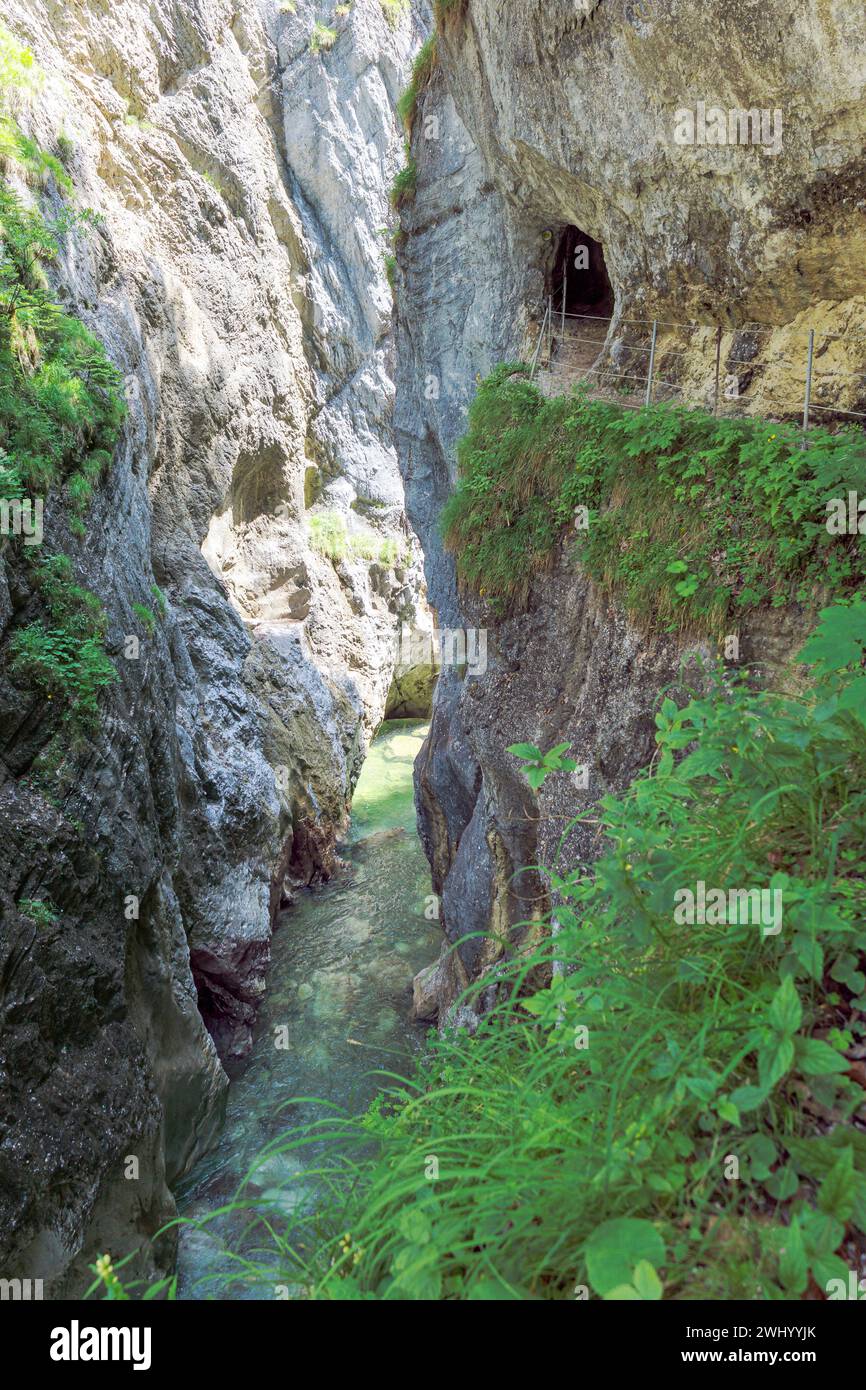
pixel 236 278
pixel 545 116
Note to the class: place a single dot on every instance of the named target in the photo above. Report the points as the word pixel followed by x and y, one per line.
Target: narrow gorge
pixel 250 534
pixel 462 386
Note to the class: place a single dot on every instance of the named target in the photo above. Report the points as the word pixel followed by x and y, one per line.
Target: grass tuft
pixel 322 38
pixel 394 11
pixel 422 74
pixel 406 182
pixel 330 536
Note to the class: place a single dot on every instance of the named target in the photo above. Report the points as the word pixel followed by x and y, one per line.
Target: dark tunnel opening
pixel 579 273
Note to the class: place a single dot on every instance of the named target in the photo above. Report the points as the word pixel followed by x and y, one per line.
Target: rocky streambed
pixel 336 1010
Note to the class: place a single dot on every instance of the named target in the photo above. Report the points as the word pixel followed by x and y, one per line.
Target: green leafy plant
pixel 145 617
pixel 60 401
pixel 330 536
pixel 64 655
pixel 718 515
pixel 621 1259
pixel 19 73
pixel 214 183
pixel 66 149
pixel 20 76
pixel 637 1113
pixel 40 912
pixel 394 11
pixel 539 765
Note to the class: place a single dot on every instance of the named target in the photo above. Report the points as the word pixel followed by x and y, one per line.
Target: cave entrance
pixel 579 274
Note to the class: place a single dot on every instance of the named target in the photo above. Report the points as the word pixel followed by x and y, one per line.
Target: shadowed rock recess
pixel 554 114
pixel 237 281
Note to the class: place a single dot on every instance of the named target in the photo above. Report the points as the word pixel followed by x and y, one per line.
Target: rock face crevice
pixel 252 329
pixel 542 116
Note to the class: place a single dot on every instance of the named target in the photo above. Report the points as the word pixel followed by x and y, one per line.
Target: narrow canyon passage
pixel 432 457
pixel 336 1009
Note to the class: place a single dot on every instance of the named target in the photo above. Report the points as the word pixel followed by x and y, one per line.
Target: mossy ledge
pixel 687 518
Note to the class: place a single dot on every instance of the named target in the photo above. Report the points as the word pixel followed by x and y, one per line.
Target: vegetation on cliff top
pixel 687 518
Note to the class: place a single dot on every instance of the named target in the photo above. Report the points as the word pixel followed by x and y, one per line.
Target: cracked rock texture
pixel 237 280
pixel 562 113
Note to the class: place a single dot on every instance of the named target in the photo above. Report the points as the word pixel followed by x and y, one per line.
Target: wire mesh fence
pixel 801 374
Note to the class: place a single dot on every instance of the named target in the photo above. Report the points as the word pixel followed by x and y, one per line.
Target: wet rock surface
pixel 540 117
pixel 253 335
pixel 573 669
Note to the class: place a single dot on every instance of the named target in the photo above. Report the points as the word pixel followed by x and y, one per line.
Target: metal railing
pixel 686 362
pixel 546 327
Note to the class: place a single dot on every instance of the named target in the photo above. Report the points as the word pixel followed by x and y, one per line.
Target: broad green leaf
pixel 526 750
pixel 762 1155
pixel 838 1190
pixel 616 1247
pixel 793 1264
pixel 822 1233
pixel 414 1225
pixel 748 1098
pixel 786 1011
pixel 646 1281
pixel 839 639
pixel 810 954
pixel 817 1058
pixel 774 1060
pixel 727 1111
pixel 782 1184
pixel 554 753
pixel 828 1267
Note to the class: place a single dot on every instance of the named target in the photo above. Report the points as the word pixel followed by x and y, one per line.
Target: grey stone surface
pixel 237 282
pixel 549 114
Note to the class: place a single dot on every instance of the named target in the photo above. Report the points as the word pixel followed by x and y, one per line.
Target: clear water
pixel 340 984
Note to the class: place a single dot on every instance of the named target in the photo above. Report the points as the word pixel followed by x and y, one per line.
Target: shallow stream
pixel 338 999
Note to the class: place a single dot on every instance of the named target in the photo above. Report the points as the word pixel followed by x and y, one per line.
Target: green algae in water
pixel 384 797
pixel 339 992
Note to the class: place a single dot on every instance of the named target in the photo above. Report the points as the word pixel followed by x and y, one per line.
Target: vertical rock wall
pixel 562 113
pixel 251 326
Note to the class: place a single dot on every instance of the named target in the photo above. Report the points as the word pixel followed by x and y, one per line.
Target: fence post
pixel 549 329
pixel 808 399
pixel 537 353
pixel 718 369
pixel 652 362
pixel 564 292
